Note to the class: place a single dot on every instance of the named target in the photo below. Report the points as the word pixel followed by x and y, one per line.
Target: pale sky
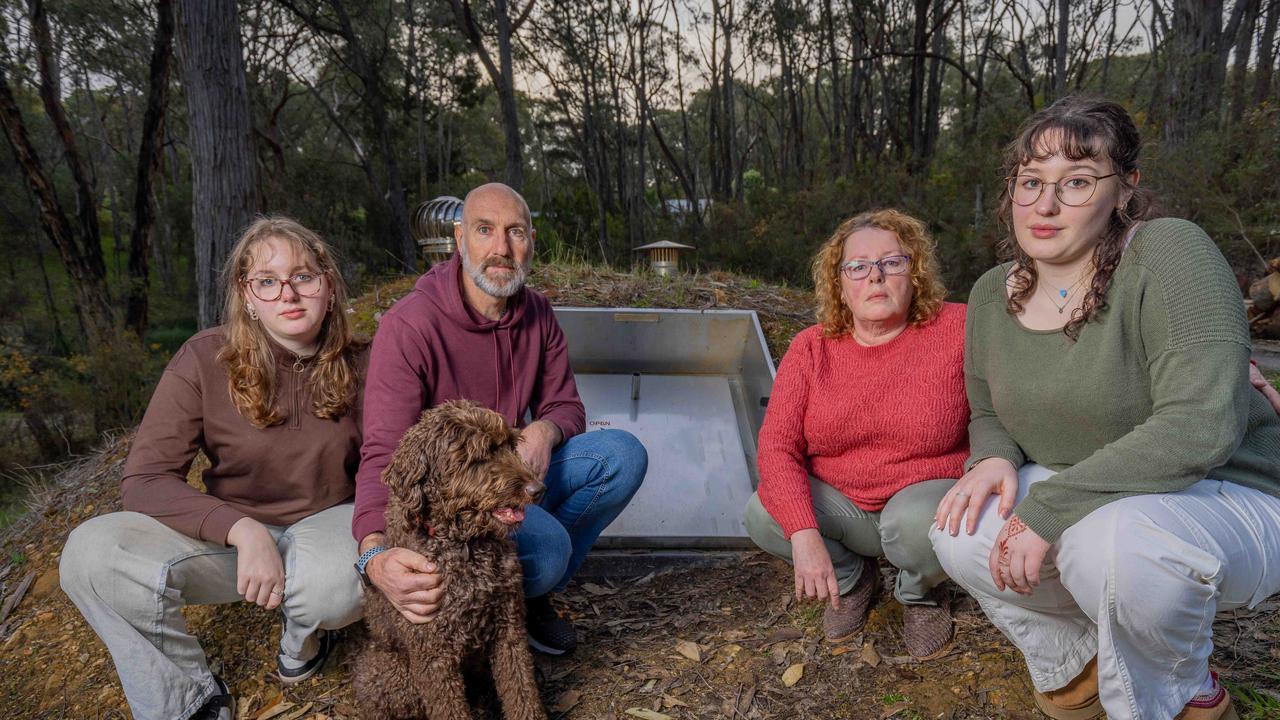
pixel 1132 17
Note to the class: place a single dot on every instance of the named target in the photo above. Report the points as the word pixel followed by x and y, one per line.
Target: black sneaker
pixel 219 707
pixel 548 632
pixel 292 672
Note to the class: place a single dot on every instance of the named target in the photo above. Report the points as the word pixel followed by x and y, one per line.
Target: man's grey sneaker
pixel 548 632
pixel 292 671
pixel 219 707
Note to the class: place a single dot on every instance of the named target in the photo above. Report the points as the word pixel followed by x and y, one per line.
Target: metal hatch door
pixel 691 385
pixel 698 481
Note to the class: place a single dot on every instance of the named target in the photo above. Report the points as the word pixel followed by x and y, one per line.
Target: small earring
pixel 332 298
pixel 253 314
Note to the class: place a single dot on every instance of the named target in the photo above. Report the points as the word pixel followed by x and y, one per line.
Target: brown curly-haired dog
pixel 457 492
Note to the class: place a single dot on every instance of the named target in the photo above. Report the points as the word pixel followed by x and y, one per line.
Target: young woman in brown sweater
pixel 272 399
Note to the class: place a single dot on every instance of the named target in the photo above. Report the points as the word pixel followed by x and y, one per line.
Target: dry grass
pixel 783 311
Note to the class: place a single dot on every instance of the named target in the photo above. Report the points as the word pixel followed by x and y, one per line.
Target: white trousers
pixel 1136 583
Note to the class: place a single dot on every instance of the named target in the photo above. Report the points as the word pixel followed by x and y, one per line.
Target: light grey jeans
pixel 899 532
pixel 1137 583
pixel 130 576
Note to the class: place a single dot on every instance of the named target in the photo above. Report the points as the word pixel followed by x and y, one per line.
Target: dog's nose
pixel 534 489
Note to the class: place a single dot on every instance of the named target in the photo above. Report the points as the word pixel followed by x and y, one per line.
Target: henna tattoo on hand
pixel 1015 526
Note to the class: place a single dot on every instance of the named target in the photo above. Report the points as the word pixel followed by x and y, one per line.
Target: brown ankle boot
pixel 1077 700
pixel 927 630
pixel 1218 707
pixel 840 624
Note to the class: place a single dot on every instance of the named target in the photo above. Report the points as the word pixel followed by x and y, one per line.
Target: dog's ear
pixel 468 432
pixel 405 478
pixel 488 433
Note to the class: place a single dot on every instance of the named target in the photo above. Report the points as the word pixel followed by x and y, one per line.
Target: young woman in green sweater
pixel 1124 474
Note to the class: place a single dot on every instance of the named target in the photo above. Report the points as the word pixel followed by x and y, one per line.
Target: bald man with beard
pixel 471 330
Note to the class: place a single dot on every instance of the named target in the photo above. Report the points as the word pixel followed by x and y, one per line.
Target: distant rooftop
pixel 682 206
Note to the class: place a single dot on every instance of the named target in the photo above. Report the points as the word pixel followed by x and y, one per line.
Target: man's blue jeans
pixel 590 480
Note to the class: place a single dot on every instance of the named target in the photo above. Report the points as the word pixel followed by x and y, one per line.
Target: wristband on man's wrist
pixel 363 563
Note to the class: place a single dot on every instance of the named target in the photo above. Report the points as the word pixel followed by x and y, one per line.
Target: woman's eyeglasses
pixel 892 265
pixel 1072 190
pixel 269 289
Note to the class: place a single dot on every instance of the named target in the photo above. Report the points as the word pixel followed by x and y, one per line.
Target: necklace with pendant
pixel 1065 293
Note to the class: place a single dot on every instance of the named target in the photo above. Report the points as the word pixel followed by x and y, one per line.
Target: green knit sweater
pixel 1152 398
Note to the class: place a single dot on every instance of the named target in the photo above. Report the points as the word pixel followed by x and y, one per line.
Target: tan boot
pixel 1078 700
pixel 1218 707
pixel 841 624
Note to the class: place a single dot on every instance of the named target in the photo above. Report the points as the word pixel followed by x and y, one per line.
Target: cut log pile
pixel 1263 303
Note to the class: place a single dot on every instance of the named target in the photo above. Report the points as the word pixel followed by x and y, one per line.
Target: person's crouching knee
pixel 627 455
pixel 88 559
pixel 963 556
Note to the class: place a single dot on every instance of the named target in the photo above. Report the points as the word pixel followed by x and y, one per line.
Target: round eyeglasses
pixel 892 265
pixel 1072 190
pixel 269 289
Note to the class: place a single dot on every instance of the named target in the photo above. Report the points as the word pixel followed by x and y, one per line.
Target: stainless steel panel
pixel 698 480
pixel 666 341
pixel 699 402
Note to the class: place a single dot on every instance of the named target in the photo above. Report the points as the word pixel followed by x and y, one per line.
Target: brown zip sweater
pixel 276 475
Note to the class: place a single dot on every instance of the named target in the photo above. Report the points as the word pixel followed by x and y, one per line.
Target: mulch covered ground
pixel 724 642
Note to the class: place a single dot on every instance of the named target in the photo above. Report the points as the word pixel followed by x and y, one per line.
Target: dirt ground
pixel 725 642
pixel 695 643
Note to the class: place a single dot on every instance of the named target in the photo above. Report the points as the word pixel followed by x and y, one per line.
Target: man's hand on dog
pixel 536 442
pixel 408 580
pixel 259 568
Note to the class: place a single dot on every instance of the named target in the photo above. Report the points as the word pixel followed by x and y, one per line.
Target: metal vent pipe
pixel 664 256
pixel 433 224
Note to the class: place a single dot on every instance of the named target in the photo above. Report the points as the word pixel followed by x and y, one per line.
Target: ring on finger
pixel 278 592
pixel 962 494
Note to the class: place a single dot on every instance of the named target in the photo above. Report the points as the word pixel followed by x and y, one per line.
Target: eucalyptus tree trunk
pixel 502 74
pixel 1244 50
pixel 79 243
pixel 220 134
pixel 144 204
pixel 1060 49
pixel 1195 80
pixel 1266 55
pixel 915 91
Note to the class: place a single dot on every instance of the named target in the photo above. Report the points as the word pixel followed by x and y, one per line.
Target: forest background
pixel 142 135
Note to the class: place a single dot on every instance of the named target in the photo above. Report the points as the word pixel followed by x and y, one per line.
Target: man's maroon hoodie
pixel 431 347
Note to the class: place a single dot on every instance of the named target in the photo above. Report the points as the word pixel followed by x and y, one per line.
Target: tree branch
pixel 521 17
pixel 467 22
pixel 86 200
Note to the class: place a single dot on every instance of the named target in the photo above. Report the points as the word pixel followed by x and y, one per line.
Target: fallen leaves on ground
pixel 685 644
pixel 689 650
pixel 644 714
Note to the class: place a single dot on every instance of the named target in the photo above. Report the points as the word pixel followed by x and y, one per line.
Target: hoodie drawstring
pixel 497 377
pixel 511 363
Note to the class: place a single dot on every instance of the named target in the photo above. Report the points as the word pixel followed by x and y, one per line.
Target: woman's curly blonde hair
pixel 927 289
pixel 251 364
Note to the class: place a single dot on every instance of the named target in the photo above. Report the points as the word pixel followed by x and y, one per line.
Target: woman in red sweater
pixel 868 412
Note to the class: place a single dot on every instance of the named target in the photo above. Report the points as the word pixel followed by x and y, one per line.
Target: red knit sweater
pixel 868 421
